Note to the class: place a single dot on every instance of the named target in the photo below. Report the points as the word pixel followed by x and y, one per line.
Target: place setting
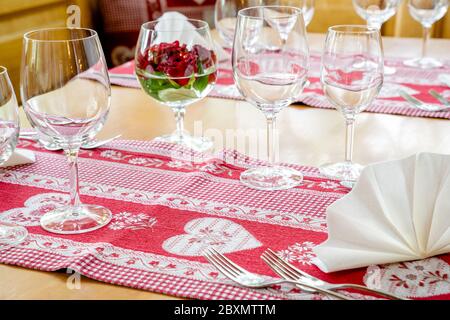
pixel 171 215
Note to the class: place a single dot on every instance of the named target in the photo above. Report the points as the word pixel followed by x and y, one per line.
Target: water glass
pixel 66 94
pixel 426 12
pixel 376 13
pixel 351 77
pixel 225 14
pixel 10 235
pixel 270 66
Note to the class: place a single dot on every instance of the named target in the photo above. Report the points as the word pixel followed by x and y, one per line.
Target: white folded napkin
pixel 397 211
pixel 20 156
pixel 166 22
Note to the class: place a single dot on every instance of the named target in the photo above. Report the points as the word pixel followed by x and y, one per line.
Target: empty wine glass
pixel 376 13
pixel 66 94
pixel 10 235
pixel 351 77
pixel 426 12
pixel 270 65
pixel 176 66
pixel 225 13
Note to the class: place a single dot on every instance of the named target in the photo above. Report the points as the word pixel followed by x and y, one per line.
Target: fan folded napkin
pixel 397 211
pixel 20 156
pixel 176 21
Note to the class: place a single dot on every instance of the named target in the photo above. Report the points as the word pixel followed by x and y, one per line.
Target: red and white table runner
pixel 416 82
pixel 168 205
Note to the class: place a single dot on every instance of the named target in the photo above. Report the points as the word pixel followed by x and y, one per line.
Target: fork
pixel 251 280
pixel 288 271
pixel 52 146
pixel 420 105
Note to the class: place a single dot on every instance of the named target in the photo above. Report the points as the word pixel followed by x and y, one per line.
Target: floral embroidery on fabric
pixel 422 278
pixel 300 253
pixel 34 208
pixel 126 220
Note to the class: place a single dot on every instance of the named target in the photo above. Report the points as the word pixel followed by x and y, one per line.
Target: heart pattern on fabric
pixel 34 208
pixel 224 235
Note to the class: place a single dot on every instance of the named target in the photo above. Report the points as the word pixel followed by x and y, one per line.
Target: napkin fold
pixel 397 211
pixel 20 156
pixel 173 20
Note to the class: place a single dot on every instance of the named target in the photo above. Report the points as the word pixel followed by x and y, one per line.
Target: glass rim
pixel 203 25
pixel 28 36
pixel 3 70
pixel 242 11
pixel 352 29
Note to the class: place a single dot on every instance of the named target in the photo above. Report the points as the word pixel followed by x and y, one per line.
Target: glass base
pixel 424 63
pixel 271 178
pixel 11 235
pixel 66 220
pixel 199 144
pixel 347 172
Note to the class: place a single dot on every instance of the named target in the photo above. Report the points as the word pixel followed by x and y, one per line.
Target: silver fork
pixel 248 279
pixel 421 105
pixel 288 271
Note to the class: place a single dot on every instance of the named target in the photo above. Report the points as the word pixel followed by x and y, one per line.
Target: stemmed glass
pixel 66 94
pixel 176 66
pixel 351 77
pixel 376 13
pixel 225 13
pixel 426 12
pixel 10 235
pixel 270 65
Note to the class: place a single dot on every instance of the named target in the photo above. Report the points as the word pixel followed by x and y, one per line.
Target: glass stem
pixel 72 157
pixel 271 123
pixel 179 117
pixel 350 133
pixel 374 24
pixel 426 37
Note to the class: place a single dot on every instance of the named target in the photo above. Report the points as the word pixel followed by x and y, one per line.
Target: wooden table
pixel 307 136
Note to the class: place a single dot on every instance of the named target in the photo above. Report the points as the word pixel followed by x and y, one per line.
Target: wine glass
pixel 426 12
pixel 376 13
pixel 351 77
pixel 226 12
pixel 176 66
pixel 66 94
pixel 10 235
pixel 270 65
